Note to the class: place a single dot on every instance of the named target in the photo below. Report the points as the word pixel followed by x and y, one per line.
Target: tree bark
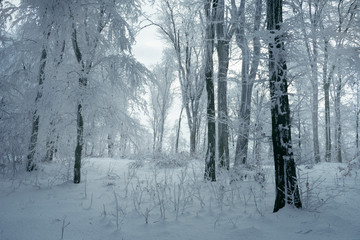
pixel 178 132
pixel 357 111
pixel 210 12
pixel 30 165
pixel 338 118
pixel 79 117
pixel 326 87
pixel 223 45
pixel 79 144
pixel 287 191
pixel 110 143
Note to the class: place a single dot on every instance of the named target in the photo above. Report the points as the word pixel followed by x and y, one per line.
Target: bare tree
pixel 181 31
pixel 161 98
pixel 312 49
pixel 249 70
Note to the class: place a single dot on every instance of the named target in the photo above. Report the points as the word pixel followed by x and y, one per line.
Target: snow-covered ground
pixel 124 199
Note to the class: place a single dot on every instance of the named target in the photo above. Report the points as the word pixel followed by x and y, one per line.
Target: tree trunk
pixel 315 100
pixel 326 86
pixel 50 142
pixel 110 146
pixel 258 128
pixel 178 132
pixel 312 53
pixel 287 191
pixel 30 165
pixel 338 119
pixel 357 111
pixel 79 144
pixel 210 9
pixel 315 117
pixel 79 117
pixel 223 59
pixel 193 132
pixel 247 80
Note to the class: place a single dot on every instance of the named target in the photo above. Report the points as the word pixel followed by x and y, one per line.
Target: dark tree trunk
pixel 327 123
pixel 33 141
pixel 223 58
pixel 210 7
pixel 110 143
pixel 287 191
pixel 50 143
pixel 326 85
pixel 36 118
pixel 178 132
pixel 79 117
pixel 79 145
pixel 357 110
pixel 193 132
pixel 338 120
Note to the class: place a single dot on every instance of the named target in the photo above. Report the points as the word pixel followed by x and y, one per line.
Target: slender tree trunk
pixel 241 151
pixel 79 117
pixel 178 132
pixel 30 165
pixel 312 52
pixel 210 12
pixel 258 128
pixel 110 143
pixel 315 97
pixel 287 191
pixel 52 137
pixel 248 76
pixel 193 132
pixel 315 117
pixel 50 142
pixel 223 59
pixel 79 144
pixel 338 119
pixel 357 111
pixel 326 86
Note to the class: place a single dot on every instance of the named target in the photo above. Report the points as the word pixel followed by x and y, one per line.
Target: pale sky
pixel 148 47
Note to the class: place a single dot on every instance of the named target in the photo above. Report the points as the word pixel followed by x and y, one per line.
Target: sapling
pixel 91 200
pixel 64 225
pixel 255 202
pixel 118 209
pixel 310 192
pixel 104 211
pixel 160 191
pixel 128 176
pixel 85 185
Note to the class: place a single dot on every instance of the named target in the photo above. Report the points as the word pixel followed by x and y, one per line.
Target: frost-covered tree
pixel 250 59
pixel 95 23
pixel 182 32
pixel 286 187
pixel 79 55
pixel 161 98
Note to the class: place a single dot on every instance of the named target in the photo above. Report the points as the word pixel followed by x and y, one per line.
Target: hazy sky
pixel 148 48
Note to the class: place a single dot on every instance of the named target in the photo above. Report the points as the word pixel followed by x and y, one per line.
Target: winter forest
pixel 233 119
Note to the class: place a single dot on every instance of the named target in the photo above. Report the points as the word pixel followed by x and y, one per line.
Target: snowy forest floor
pixel 127 199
